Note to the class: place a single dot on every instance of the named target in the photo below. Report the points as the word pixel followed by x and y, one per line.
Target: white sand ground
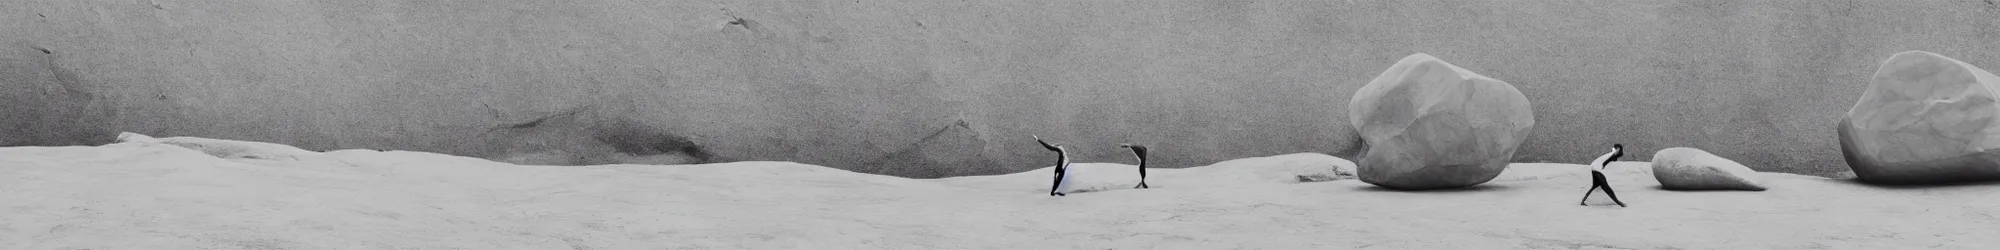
pixel 157 196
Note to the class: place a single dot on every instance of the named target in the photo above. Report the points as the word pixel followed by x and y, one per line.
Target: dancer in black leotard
pixel 1140 152
pixel 1062 167
pixel 1597 174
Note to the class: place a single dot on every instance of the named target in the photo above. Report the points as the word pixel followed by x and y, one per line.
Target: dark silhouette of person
pixel 1140 152
pixel 1597 175
pixel 1062 167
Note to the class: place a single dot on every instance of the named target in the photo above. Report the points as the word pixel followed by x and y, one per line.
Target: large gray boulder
pixel 1683 168
pixel 1430 125
pixel 1925 119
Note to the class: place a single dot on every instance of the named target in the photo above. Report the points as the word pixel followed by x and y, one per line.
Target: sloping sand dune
pixel 157 196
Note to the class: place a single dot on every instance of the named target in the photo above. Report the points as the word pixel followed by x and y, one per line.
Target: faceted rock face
pixel 1693 169
pixel 1430 125
pixel 1925 119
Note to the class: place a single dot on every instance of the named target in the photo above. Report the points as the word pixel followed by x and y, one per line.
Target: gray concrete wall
pixel 946 88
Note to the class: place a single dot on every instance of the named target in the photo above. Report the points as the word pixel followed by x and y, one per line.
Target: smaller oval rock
pixel 1684 168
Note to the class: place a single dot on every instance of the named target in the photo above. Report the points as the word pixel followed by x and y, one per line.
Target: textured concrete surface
pixel 151 196
pixel 941 88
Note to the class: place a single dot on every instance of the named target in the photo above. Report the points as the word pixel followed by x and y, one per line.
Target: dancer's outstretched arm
pixel 1051 147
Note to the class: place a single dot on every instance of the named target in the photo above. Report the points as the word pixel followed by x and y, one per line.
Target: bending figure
pixel 1597 175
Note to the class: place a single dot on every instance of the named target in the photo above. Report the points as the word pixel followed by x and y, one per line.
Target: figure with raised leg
pixel 1597 179
pixel 1139 152
pixel 1062 167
